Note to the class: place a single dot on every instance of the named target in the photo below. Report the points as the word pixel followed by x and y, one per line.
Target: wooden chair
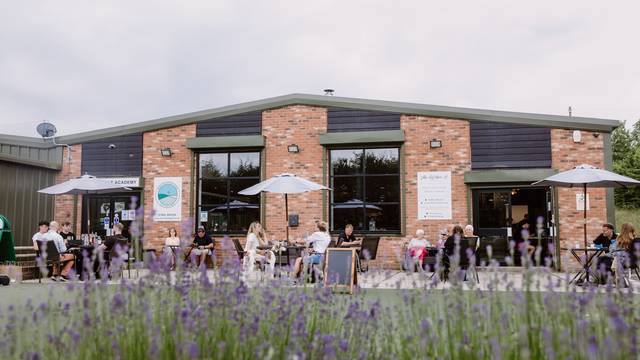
pixel 49 249
pixel 368 251
pixel 243 256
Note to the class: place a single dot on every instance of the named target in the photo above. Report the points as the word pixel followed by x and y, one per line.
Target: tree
pixel 626 161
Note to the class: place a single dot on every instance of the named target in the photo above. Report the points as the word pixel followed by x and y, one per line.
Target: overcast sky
pixel 85 66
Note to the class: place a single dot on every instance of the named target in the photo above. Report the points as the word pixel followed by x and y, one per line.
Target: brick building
pixel 393 167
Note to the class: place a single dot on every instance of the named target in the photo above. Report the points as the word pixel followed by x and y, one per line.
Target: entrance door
pixel 106 210
pixel 492 212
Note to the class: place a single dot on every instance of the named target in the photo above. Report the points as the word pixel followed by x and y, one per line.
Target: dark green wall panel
pixel 19 200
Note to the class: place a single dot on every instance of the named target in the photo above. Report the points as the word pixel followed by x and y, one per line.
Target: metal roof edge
pixel 557 121
pixel 20 160
pixel 25 141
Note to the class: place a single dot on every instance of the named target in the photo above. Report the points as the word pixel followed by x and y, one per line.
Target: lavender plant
pixel 221 314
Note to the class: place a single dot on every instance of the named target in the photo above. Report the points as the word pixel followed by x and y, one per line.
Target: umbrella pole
pixel 286 214
pixel 584 215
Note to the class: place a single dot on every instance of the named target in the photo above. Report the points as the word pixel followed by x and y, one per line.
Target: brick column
pixel 565 155
pixel 454 156
pixel 155 165
pixel 301 125
pixel 64 204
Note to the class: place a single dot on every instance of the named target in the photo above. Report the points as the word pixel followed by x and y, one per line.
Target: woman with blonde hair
pixel 256 238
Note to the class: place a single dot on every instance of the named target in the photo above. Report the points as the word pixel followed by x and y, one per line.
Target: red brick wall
pixel 155 165
pixel 454 156
pixel 565 155
pixel 64 203
pixel 301 125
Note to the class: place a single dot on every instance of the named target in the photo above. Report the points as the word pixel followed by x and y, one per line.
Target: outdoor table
pixel 585 269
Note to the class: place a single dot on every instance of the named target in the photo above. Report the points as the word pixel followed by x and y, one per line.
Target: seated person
pixel 468 233
pixel 43 228
pixel 604 240
pixel 417 247
pixel 108 246
pixel 347 239
pixel 319 242
pixel 66 233
pixel 171 242
pixel 255 239
pixel 456 236
pixel 444 235
pixel 66 259
pixel 202 246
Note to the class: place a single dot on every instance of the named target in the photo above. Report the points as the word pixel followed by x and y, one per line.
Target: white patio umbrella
pixel 585 176
pixel 83 185
pixel 284 184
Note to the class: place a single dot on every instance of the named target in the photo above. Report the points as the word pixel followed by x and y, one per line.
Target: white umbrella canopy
pixel 83 185
pixel 284 184
pixel 588 175
pixel 585 176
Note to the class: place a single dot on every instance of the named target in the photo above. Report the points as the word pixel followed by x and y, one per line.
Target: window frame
pixel 227 180
pixel 362 176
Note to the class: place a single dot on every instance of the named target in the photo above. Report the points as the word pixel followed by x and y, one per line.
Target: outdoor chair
pixel 467 245
pixel 49 249
pixel 244 257
pixel 125 255
pixel 368 251
pixel 627 263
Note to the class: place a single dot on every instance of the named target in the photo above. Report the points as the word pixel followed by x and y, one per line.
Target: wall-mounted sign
pixel 434 195
pixel 580 202
pixel 128 215
pixel 167 199
pixel 124 181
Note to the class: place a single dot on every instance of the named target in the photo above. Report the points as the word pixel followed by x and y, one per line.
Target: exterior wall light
pixel 435 143
pixel 293 148
pixel 166 152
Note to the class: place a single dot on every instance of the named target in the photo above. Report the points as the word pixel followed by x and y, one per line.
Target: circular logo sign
pixel 167 194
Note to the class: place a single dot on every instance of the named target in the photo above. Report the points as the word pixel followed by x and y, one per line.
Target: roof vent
pixel 328 92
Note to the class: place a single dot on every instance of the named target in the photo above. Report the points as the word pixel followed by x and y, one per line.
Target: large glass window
pixel 221 176
pixel 366 189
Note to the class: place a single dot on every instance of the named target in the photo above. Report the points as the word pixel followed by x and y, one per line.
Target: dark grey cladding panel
pixel 344 120
pixel 124 160
pixel 503 146
pixel 242 124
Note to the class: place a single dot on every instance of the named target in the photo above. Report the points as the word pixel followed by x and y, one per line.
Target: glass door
pixel 106 210
pixel 492 212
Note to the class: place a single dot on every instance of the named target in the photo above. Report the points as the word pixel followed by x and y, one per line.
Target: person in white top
pixel 43 228
pixel 256 238
pixel 417 247
pixel 170 244
pixel 66 259
pixel 468 233
pixel 319 242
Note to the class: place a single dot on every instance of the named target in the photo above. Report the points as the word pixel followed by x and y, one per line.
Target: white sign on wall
pixel 167 199
pixel 124 181
pixel 580 202
pixel 434 195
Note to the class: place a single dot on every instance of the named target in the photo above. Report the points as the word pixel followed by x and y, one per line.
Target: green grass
pixel 631 216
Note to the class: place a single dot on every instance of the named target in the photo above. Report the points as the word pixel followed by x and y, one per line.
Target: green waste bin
pixel 7 249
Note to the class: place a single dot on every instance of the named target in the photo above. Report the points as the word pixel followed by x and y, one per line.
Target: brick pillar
pixel 155 165
pixel 565 155
pixel 64 204
pixel 301 125
pixel 454 156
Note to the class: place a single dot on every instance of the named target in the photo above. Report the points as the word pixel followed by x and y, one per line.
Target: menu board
pixel 434 195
